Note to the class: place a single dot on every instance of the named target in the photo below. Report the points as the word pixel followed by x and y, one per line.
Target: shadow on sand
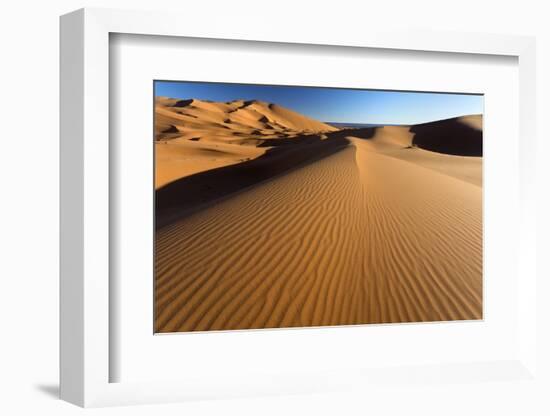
pixel 450 137
pixel 186 195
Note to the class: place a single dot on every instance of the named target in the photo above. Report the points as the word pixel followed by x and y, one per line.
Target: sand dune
pixel 193 135
pixel 326 228
pixel 460 136
pixel 398 142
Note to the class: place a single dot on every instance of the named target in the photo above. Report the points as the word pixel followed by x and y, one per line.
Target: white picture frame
pixel 85 212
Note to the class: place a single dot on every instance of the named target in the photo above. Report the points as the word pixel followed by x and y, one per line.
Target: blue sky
pixel 335 104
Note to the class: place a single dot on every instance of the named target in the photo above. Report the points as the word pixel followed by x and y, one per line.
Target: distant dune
pixel 401 142
pixel 460 136
pixel 267 218
pixel 200 135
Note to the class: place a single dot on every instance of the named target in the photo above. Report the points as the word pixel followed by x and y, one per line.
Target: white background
pixel 29 224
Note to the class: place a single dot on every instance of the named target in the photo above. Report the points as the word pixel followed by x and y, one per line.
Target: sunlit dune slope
pixel 325 227
pixel 193 135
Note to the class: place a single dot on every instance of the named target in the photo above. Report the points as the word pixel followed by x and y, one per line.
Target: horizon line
pixel 323 121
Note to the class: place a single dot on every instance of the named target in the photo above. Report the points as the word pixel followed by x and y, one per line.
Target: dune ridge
pixel 193 135
pixel 462 136
pixel 399 142
pixel 353 250
pixel 336 227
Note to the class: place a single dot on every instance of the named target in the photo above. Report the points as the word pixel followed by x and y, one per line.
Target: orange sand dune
pixel 396 141
pixel 327 228
pixel 193 136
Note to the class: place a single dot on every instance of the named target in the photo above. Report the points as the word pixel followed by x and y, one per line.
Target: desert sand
pixel 268 219
pixel 199 135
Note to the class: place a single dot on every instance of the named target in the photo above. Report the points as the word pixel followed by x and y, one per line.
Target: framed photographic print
pixel 234 225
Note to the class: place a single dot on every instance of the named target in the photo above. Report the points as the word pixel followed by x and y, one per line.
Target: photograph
pixel 280 206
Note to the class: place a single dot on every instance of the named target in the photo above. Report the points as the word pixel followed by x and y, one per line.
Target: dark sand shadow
pixel 186 195
pixel 449 136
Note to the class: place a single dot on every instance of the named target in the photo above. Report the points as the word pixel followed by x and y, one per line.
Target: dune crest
pixel 193 135
pixel 461 136
pixel 341 241
pixel 401 142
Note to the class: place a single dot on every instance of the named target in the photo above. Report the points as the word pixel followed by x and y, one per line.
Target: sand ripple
pixel 357 237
